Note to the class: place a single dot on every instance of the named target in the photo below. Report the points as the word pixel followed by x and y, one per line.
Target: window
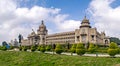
pixel 43 39
pixel 92 36
pixel 77 38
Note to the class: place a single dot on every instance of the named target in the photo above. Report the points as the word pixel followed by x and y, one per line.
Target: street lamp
pixel 53 47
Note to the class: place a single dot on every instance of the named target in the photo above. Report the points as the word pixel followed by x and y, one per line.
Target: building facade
pixel 84 34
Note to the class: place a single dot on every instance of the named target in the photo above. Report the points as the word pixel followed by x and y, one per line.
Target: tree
pixel 58 49
pixel 4 43
pixel 48 48
pixel 91 48
pixel 113 49
pixel 114 39
pixel 80 49
pixel 73 48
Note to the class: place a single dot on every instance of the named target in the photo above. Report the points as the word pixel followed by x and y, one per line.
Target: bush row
pixel 33 48
pixel 80 49
pixel 4 48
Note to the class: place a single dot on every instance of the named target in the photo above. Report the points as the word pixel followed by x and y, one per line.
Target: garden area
pixel 22 58
pixel 79 48
pixel 37 56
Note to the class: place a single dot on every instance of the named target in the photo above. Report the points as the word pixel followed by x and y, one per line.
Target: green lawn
pixel 14 58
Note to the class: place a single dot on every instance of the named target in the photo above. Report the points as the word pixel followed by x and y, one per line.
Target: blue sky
pixel 21 16
pixel 75 8
pixel 115 4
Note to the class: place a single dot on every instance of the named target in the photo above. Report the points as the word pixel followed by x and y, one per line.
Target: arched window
pixel 106 41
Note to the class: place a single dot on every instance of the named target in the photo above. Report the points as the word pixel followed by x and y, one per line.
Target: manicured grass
pixel 14 58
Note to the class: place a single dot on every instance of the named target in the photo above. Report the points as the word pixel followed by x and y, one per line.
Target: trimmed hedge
pixel 91 48
pixel 113 49
pixel 48 48
pixel 24 48
pixel 33 48
pixel 73 48
pixel 4 48
pixel 58 49
pixel 38 48
pixel 20 48
pixel 80 49
pixel 112 52
pixel 42 49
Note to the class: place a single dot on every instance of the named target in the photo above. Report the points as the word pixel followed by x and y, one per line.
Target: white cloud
pixel 69 25
pixel 15 20
pixel 105 17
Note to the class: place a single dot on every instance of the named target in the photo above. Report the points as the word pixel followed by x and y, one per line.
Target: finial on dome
pixel 42 22
pixel 85 19
pixel 85 16
pixel 32 30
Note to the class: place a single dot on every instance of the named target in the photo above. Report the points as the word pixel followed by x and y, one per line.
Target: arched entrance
pixel 106 42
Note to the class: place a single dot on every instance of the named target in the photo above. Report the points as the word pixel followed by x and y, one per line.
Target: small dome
pixel 42 25
pixel 85 23
pixel 29 35
pixel 85 20
pixel 33 34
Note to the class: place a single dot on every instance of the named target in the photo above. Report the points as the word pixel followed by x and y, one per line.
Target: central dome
pixel 42 28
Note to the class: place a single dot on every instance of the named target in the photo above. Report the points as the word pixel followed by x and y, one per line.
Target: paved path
pixel 93 55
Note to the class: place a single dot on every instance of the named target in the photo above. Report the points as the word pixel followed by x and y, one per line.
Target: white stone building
pixel 84 34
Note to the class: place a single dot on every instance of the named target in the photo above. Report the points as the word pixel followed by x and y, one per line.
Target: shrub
pixel 66 50
pixel 38 48
pixel 113 45
pixel 20 48
pixel 42 49
pixel 48 48
pixel 91 48
pixel 118 50
pixel 33 48
pixel 0 47
pixel 112 52
pixel 11 47
pixel 73 48
pixel 80 49
pixel 24 48
pixel 113 49
pixel 58 49
pixel 102 51
pixel 4 48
